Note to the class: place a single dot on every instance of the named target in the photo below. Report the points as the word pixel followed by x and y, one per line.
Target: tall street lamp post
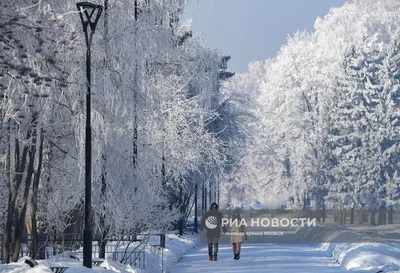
pixel 195 209
pixel 90 15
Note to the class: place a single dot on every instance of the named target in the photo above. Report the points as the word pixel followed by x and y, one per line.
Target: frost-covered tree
pixel 152 86
pixel 356 132
pixel 329 113
pixel 31 35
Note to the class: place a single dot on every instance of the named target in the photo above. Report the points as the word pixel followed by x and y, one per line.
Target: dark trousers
pixel 211 242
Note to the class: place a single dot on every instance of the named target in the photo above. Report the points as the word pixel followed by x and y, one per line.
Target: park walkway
pixel 260 258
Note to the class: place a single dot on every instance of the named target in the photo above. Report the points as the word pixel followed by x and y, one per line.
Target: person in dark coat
pixel 212 222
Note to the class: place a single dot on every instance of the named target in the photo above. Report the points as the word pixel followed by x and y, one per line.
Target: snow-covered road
pixel 257 258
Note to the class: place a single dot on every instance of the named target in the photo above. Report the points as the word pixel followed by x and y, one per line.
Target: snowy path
pixel 257 258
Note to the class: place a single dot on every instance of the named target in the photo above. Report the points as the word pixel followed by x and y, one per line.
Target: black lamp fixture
pixel 87 12
pixel 90 15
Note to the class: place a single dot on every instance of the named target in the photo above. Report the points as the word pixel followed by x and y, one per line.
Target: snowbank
pixel 156 259
pixel 368 257
pixel 175 247
pixel 361 256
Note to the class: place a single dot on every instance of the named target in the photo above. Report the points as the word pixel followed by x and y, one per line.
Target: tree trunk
pixel 305 201
pixel 380 217
pixel 373 222
pixel 365 216
pixel 20 224
pixel 384 216
pixel 202 201
pixel 360 216
pixel 187 207
pixel 319 207
pixel 181 210
pixel 352 215
pixel 6 241
pixel 390 215
pixel 205 199
pixel 344 217
pixel 195 210
pixel 20 163
pixel 35 192
pixel 336 216
pixel 103 228
pixel 103 243
pixel 103 238
pixel 218 190
pixel 210 193
pixel 21 221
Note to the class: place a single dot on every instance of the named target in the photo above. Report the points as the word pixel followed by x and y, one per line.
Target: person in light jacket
pixel 238 234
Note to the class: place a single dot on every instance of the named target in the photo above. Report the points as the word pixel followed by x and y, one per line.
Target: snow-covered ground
pixel 182 256
pixel 378 249
pixel 274 258
pixel 366 257
pixel 304 257
pixel 156 259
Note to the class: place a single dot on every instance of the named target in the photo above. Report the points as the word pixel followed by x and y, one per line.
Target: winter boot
pixel 215 251
pixel 210 252
pixel 236 257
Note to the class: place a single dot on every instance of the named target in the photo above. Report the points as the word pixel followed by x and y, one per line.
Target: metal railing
pixel 126 249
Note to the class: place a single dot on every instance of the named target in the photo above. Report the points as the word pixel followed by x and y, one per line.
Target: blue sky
pixel 253 29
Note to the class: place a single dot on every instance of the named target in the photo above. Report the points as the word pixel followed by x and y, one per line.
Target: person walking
pixel 212 221
pixel 238 234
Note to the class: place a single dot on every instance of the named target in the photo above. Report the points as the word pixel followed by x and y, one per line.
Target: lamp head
pixel 90 14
